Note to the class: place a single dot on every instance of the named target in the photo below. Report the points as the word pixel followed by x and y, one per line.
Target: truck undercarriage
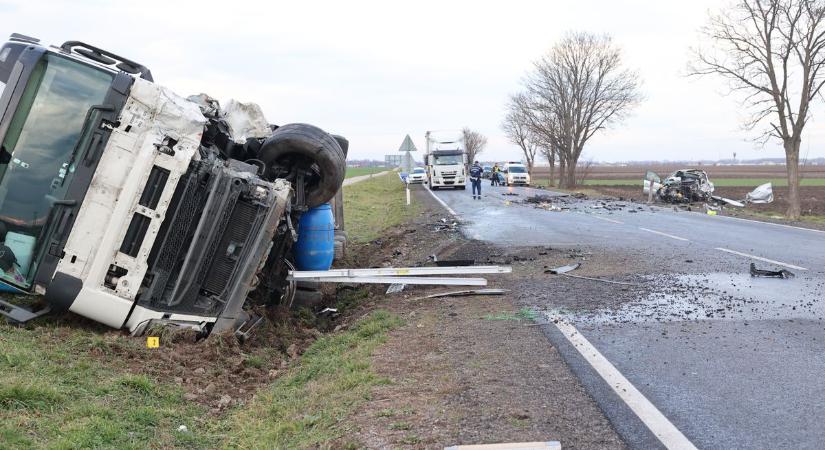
pixel 128 204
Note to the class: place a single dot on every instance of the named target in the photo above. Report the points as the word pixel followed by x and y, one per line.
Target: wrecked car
pixel 128 204
pixel 682 186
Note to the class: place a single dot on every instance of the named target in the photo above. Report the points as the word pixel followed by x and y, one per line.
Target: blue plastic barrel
pixel 315 248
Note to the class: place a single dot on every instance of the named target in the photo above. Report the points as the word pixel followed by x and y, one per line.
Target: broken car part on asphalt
pixel 782 273
pixel 468 293
pixel 563 270
pixel 143 207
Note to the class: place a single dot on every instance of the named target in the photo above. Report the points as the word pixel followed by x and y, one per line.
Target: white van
pixel 515 173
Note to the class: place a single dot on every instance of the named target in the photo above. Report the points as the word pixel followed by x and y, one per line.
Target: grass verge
pixel 58 389
pixel 374 205
pixel 308 407
pixel 358 171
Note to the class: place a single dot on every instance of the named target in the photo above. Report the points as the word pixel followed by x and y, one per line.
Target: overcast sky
pixel 376 71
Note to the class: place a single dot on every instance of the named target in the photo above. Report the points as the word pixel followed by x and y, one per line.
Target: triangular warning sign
pixel 407 145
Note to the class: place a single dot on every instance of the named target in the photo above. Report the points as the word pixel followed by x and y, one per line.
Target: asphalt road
pixel 729 360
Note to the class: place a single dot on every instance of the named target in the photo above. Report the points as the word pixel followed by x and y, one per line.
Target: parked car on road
pixel 488 170
pixel 417 176
pixel 516 173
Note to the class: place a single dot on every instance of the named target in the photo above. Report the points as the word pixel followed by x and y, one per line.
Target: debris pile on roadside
pixel 445 225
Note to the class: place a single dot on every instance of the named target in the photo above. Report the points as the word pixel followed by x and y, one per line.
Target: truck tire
pixel 343 143
pixel 307 147
pixel 307 295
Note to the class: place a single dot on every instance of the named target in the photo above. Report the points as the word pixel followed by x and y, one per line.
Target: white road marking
pixel 654 420
pixel 442 202
pixel 759 258
pixel 664 234
pixel 606 219
pixel 768 223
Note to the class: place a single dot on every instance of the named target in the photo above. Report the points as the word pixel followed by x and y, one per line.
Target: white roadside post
pixel 408 189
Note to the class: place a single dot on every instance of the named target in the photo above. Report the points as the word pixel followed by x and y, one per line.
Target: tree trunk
pixel 562 172
pixel 792 164
pixel 571 174
pixel 552 161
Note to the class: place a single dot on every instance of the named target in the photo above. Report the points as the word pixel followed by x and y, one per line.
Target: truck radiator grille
pixel 224 261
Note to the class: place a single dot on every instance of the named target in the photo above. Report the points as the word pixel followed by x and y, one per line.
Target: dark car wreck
pixel 131 205
pixel 682 186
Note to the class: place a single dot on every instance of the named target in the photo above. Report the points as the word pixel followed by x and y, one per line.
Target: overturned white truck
pixel 130 205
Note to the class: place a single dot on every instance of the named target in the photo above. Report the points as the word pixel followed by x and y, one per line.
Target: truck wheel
pixel 304 146
pixel 343 143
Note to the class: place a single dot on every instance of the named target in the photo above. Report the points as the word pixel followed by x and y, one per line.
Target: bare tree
pixel 579 88
pixel 516 127
pixel 474 143
pixel 772 51
pixel 550 154
pixel 583 170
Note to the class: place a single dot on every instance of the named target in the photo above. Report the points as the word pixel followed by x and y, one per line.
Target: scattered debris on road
pixel 727 201
pixel 454 262
pixel 601 280
pixel 395 288
pixel 783 273
pixel 445 225
pixel 468 293
pixel 563 269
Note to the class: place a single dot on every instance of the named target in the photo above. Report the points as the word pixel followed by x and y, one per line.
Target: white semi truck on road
pixel 446 161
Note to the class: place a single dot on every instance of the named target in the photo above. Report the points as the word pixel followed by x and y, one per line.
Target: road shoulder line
pixel 442 202
pixel 653 419
pixel 766 223
pixel 606 219
pixel 664 234
pixel 759 258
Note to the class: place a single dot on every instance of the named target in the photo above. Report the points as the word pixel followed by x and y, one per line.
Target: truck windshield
pixel 448 160
pixel 36 153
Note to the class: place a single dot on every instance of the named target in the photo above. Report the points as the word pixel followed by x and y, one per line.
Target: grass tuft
pixel 138 383
pixel 522 314
pixel 28 397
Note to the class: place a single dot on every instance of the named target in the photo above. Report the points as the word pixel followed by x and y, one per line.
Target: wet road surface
pixel 729 360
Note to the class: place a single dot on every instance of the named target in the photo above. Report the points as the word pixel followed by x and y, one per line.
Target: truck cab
pixel 128 204
pixel 446 165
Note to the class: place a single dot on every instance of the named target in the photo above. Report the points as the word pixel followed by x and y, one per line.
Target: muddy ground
pixel 467 370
